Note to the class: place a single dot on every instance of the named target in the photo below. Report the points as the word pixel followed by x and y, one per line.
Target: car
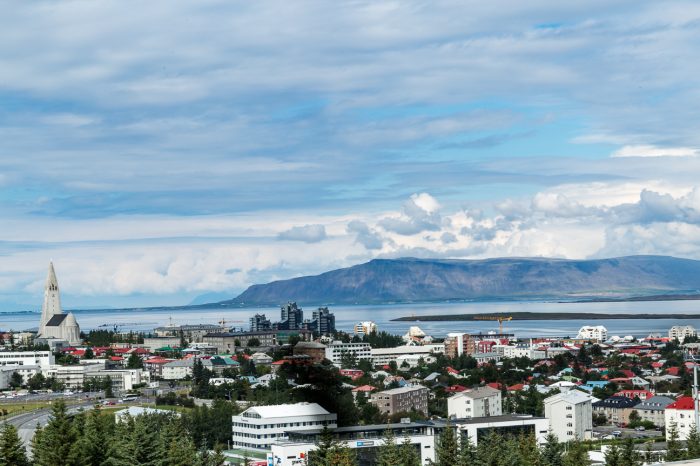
pixel 640 428
pixel 616 433
pixel 609 437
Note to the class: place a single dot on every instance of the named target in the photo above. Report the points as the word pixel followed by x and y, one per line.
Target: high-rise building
pixel 365 328
pixel 259 323
pixel 54 323
pixel 292 317
pixel 323 322
pixel 457 344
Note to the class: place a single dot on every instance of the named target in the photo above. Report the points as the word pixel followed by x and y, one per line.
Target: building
pixel 292 317
pixel 336 350
pixel 363 440
pixel 323 322
pixel 135 411
pixel 681 413
pixel 617 409
pixel 514 424
pixel 193 333
pixel 402 400
pixel 54 323
pixel 681 332
pixel 122 379
pixel 589 332
pixel 259 323
pixel 25 372
pixel 382 356
pixel 258 427
pixel 316 351
pixel 457 344
pixel 43 359
pixel 480 402
pixel 653 409
pixel 224 342
pixel 154 343
pixel 178 369
pixel 365 328
pixel 570 415
pixel 70 376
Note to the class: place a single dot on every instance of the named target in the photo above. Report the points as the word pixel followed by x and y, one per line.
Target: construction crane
pixel 500 320
pixel 223 322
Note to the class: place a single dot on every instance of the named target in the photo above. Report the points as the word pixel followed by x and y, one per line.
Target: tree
pixel 408 455
pixel 613 456
pixel 134 361
pixel 628 455
pixel 36 381
pixel 56 438
pixel 89 354
pixel 552 451
pixel 12 450
pixel 389 454
pixel 446 447
pixel 674 452
pixel 467 451
pixel 576 455
pixel 253 342
pixel 16 380
pixel 693 443
pixel 89 448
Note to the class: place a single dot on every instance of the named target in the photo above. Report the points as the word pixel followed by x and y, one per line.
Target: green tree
pixel 693 443
pixel 56 439
pixel 16 380
pixel 552 451
pixel 389 454
pixel 530 452
pixel 134 361
pixel 446 447
pixel 89 354
pixel 613 456
pixel 628 455
pixel 467 451
pixel 12 452
pixel 674 451
pixel 576 454
pixel 331 452
pixel 408 455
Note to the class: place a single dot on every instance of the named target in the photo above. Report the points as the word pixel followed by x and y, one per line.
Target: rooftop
pixel 289 410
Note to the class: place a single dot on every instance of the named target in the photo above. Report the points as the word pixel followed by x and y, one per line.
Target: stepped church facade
pixel 55 324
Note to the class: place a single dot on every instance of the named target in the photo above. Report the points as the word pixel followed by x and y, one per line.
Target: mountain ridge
pixel 416 279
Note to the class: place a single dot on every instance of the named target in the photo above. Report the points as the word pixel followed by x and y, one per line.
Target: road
pixel 627 433
pixel 26 423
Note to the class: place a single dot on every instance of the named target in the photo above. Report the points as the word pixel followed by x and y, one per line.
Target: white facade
pixel 178 370
pixel 70 376
pixel 336 349
pixel 26 372
pixel 479 402
pixel 682 414
pixel 539 425
pixel 258 427
pixel 570 415
pixel 590 332
pixel 43 359
pixel 680 332
pixel 365 328
pixel 382 356
pixel 54 323
pixel 122 379
pixel 513 351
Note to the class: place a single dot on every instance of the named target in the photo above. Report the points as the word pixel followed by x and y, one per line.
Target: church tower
pixel 52 299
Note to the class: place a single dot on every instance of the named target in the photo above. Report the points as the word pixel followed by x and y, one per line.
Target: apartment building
pixel 681 332
pixel 617 409
pixel 258 427
pixel 402 400
pixel 43 359
pixel 336 349
pixel 457 344
pixel 593 332
pixel 570 415
pixel 682 414
pixel 479 402
pixel 653 409
pixel 382 356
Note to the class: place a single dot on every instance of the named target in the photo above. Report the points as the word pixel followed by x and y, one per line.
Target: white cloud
pixel 306 233
pixel 654 151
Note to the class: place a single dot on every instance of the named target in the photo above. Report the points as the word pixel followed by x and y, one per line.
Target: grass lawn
pixel 11 409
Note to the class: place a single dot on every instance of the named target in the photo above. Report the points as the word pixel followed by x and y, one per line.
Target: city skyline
pixel 201 148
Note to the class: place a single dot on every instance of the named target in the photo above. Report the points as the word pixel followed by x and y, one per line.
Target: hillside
pixel 408 279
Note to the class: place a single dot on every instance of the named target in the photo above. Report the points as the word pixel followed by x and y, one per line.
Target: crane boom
pixel 500 320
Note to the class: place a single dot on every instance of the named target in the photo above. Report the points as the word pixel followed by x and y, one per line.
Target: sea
pixel 347 316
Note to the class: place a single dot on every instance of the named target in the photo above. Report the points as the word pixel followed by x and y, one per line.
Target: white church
pixel 55 324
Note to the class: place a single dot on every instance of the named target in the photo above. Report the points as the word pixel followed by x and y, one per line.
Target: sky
pixel 164 150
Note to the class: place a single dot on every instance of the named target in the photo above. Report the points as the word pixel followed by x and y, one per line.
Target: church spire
pixel 52 299
pixel 51 281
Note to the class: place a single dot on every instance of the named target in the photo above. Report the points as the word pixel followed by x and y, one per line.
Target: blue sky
pixel 159 151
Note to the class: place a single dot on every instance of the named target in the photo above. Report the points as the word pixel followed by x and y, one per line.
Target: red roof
pixel 279 363
pixel 516 388
pixel 364 388
pixel 495 385
pixel 455 388
pixel 628 373
pixel 684 402
pixel 657 365
pixel 116 358
pixel 673 370
pixel 452 370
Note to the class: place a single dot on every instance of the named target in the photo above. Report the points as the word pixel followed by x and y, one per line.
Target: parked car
pixel 616 433
pixel 640 428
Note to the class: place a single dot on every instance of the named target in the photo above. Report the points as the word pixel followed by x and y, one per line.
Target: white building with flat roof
pixel 681 332
pixel 479 402
pixel 593 332
pixel 258 427
pixel 43 359
pixel 570 415
pixel 336 349
pixel 382 356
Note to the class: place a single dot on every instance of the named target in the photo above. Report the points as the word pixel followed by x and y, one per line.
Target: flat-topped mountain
pixel 410 280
